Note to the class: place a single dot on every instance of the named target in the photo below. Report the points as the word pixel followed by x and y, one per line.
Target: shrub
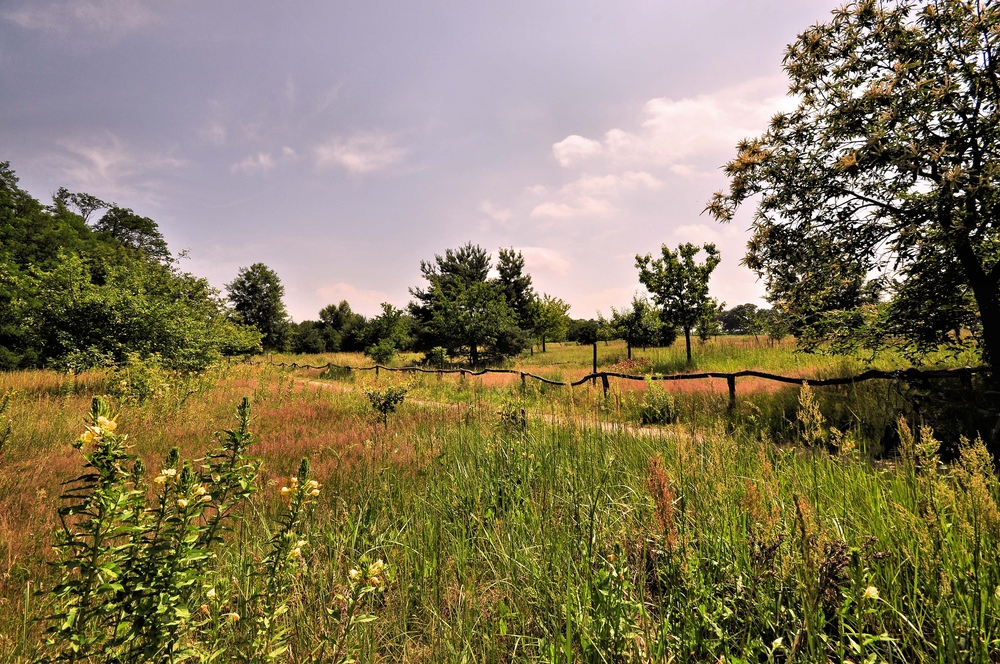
pixel 658 406
pixel 384 402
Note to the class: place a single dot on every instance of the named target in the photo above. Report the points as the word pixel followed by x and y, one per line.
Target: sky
pixel 342 143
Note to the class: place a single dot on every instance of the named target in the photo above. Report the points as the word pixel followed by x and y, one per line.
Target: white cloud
pixel 364 152
pixel 585 206
pixel 542 260
pixel 593 195
pixel 255 163
pixel 108 17
pixel 501 215
pixel 675 131
pixel 697 233
pixel 574 149
pixel 104 166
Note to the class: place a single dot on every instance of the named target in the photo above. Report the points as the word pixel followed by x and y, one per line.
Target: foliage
pixel 551 319
pixel 388 332
pixel 140 234
pixel 679 285
pixel 256 295
pixel 385 401
pixel 436 357
pixel 876 198
pixel 343 329
pixel 742 319
pixel 517 288
pixel 462 309
pixel 637 325
pixel 658 406
pixel 382 352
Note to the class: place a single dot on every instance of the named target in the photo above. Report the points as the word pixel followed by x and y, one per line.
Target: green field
pixel 515 523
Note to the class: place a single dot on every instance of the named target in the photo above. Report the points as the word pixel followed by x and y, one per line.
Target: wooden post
pixel 524 382
pixel 376 372
pixel 731 380
pixel 593 381
pixel 604 384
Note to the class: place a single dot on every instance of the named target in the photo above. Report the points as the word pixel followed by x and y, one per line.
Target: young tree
pixel 517 287
pixel 882 185
pixel 679 285
pixel 551 319
pixel 638 324
pixel 256 295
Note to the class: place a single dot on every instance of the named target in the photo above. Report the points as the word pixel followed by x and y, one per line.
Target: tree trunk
pixel 687 341
pixel 543 343
pixel 474 355
pixel 628 344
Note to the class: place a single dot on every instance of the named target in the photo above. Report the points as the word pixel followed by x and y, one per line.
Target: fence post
pixel 604 383
pixel 376 372
pixel 593 380
pixel 524 382
pixel 731 381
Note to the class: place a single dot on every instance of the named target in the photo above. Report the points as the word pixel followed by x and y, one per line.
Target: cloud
pixel 107 17
pixel 574 149
pixel 584 206
pixel 674 131
pixel 258 163
pixel 104 166
pixel 542 260
pixel 364 152
pixel 593 195
pixel 494 213
pixel 697 233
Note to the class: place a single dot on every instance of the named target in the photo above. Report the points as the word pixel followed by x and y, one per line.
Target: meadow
pixel 483 520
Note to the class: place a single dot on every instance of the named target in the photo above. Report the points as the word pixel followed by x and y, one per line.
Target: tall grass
pixel 569 534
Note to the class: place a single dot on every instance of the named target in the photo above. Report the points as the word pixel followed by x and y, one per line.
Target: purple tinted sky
pixel 342 142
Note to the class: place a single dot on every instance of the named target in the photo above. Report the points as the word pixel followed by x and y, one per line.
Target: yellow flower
pixel 160 479
pixel 211 593
pixel 300 544
pixel 871 592
pixel 87 436
pixel 235 617
pixel 207 497
pixel 169 472
pixel 285 491
pixel 106 424
pixel 353 575
pixel 313 484
pixel 295 553
pixel 182 503
pixel 314 493
pixel 200 490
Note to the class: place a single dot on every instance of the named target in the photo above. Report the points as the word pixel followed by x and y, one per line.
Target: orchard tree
pixel 551 319
pixel 679 285
pixel 878 197
pixel 638 324
pixel 256 295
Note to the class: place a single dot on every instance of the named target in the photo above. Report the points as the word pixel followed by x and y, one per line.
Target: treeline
pixel 84 282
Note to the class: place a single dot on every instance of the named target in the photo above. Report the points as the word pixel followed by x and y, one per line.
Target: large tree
pixel 878 197
pixel 679 285
pixel 256 295
pixel 462 309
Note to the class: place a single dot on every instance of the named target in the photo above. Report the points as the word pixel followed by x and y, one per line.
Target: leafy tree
pixel 708 323
pixel 343 329
pixel 135 232
pixel 582 331
pixel 878 196
pixel 308 337
pixel 461 308
pixel 679 285
pixel 742 319
pixel 638 324
pixel 85 204
pixel 551 319
pixel 387 334
pixel 256 295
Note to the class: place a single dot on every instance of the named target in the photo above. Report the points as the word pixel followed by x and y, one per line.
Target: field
pixel 486 521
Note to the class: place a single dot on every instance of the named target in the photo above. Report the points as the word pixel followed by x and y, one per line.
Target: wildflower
pixel 285 491
pixel 211 593
pixel 300 544
pixel 87 436
pixel 160 479
pixel 296 553
pixel 871 592
pixel 314 493
pixel 375 569
pixel 169 472
pixel 200 490
pixel 353 574
pixel 182 503
pixel 204 609
pixel 313 484
pixel 235 617
pixel 207 497
pixel 375 581
pixel 106 424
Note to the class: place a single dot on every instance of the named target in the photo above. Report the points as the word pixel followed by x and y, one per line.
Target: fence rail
pixel 964 374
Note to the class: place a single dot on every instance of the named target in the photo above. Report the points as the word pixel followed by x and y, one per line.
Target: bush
pixel 382 353
pixel 658 406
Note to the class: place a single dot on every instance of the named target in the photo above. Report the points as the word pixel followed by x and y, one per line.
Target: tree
pixel 638 324
pixel 387 334
pixel 462 309
pixel 343 329
pixel 517 288
pixel 551 316
pixel 134 231
pixel 878 197
pixel 742 319
pixel 679 285
pixel 256 294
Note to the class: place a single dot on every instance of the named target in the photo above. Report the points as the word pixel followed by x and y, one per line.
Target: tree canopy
pixel 256 294
pixel 878 196
pixel 679 285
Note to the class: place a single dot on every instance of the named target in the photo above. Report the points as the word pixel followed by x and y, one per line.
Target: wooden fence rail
pixel 964 374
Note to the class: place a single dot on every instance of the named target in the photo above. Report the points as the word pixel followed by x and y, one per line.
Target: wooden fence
pixel 964 374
